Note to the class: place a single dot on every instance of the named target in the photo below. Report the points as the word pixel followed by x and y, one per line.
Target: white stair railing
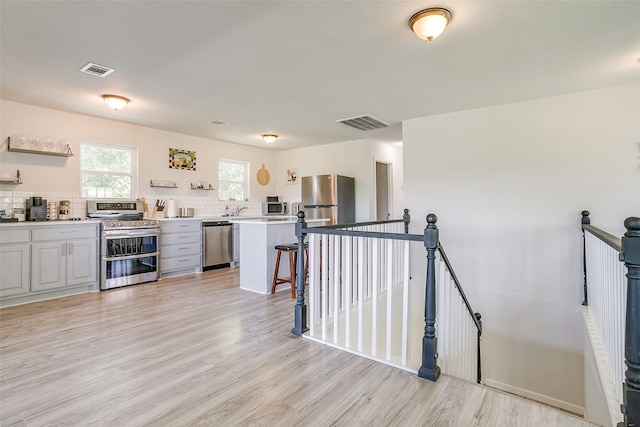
pixel 458 338
pixel 604 312
pixel 607 302
pixel 359 295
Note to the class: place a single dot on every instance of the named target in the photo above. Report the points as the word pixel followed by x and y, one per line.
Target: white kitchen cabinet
pixel 180 247
pixel 48 268
pixel 63 257
pixel 14 262
pixel 47 260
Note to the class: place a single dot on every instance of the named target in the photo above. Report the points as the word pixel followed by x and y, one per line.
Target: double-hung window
pixel 108 170
pixel 233 180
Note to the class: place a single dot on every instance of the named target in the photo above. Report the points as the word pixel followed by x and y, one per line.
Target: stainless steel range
pixel 128 245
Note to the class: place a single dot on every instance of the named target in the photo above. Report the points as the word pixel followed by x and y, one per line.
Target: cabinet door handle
pixel 67 232
pixel 70 249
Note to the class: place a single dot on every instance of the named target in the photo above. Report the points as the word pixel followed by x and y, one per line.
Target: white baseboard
pixel 532 395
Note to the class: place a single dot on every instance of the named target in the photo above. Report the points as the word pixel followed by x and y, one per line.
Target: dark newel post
pixel 407 219
pixel 478 316
pixel 300 313
pixel 631 257
pixel 430 369
pixel 585 220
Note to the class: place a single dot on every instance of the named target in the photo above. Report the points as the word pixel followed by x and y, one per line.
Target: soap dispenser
pixel 226 211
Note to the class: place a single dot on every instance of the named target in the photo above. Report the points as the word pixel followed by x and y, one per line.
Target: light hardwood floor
pixel 198 351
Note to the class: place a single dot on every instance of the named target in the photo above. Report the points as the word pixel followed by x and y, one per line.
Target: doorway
pixel 383 192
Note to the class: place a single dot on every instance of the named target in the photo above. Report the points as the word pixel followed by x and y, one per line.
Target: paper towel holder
pixel 172 211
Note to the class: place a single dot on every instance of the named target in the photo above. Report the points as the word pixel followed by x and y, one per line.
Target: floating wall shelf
pixel 34 146
pixel 163 184
pixel 15 181
pixel 201 187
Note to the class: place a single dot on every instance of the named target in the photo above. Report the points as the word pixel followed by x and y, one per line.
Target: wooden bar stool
pixel 292 252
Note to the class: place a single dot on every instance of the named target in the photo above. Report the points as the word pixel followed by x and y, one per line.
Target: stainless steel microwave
pixel 274 208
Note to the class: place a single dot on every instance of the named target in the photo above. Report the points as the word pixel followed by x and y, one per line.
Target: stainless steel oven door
pixel 129 257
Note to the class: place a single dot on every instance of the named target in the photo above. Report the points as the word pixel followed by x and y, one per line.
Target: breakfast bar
pixel 258 237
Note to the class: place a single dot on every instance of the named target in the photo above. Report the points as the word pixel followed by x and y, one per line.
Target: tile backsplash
pixel 203 207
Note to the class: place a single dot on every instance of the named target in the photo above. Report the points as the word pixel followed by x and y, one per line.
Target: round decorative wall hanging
pixel 263 176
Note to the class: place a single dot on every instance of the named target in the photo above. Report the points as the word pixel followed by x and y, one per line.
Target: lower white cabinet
pixel 180 247
pixel 42 261
pixel 14 262
pixel 63 256
pixel 63 264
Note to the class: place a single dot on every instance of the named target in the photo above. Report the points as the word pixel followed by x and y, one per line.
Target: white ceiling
pixel 294 67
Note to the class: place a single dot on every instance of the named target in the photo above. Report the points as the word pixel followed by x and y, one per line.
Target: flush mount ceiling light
pixel 116 101
pixel 429 23
pixel 269 138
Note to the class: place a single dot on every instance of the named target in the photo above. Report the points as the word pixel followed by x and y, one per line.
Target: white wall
pixel 59 177
pixel 508 184
pixel 355 159
pixel 46 175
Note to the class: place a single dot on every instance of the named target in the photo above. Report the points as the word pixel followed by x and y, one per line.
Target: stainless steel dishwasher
pixel 217 244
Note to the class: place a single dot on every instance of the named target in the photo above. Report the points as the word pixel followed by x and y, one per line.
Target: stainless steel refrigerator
pixel 329 196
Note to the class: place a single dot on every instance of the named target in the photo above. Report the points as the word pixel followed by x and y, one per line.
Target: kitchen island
pixel 257 254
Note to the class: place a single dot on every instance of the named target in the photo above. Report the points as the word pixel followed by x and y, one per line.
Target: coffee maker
pixel 36 209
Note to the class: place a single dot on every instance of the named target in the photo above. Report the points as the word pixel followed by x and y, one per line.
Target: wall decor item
pixel 292 176
pixel 182 159
pixel 263 176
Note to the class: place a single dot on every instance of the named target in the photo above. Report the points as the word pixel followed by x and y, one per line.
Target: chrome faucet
pixel 239 209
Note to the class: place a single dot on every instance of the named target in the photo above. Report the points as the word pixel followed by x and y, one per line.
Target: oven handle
pixel 119 258
pixel 116 234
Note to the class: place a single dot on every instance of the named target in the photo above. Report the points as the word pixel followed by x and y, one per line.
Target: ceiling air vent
pixel 97 70
pixel 219 123
pixel 365 122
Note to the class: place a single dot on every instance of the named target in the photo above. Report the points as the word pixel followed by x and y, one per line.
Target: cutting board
pixel 263 176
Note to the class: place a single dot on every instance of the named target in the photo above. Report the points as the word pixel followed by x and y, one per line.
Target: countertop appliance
pixel 36 209
pixel 128 244
pixel 217 244
pixel 329 196
pixel 274 208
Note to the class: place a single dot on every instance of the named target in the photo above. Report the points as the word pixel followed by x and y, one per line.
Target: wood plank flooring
pixel 198 351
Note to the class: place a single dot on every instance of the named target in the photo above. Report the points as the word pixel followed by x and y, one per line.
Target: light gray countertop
pixel 56 223
pixel 238 219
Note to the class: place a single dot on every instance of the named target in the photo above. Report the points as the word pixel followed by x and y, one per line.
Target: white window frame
pixel 133 173
pixel 245 180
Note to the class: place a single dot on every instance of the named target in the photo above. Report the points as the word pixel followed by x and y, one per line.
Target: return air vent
pixel 365 122
pixel 97 70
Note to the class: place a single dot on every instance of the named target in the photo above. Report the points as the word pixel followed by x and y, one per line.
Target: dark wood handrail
pixel 459 287
pixel 609 239
pixel 358 233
